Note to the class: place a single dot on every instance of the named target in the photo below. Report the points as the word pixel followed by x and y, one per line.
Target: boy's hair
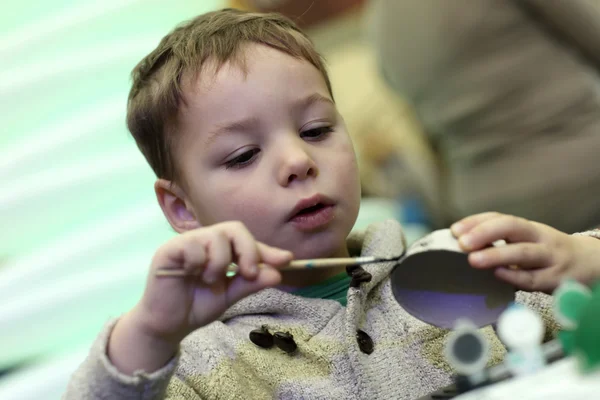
pixel 216 37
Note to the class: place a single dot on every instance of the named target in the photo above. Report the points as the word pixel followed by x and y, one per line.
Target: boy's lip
pixel 310 202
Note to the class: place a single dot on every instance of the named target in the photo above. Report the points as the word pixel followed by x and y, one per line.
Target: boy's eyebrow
pixel 251 122
pixel 312 99
pixel 236 126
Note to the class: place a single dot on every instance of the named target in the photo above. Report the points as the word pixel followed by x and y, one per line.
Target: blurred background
pixel 79 218
pixel 77 209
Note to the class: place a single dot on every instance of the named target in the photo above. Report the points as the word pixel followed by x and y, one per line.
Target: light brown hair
pixel 216 37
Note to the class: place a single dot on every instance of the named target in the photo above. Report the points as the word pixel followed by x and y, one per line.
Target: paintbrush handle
pixel 328 262
pixel 293 265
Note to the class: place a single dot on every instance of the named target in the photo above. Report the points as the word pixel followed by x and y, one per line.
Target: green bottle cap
pixel 570 298
pixel 586 337
pixel 567 341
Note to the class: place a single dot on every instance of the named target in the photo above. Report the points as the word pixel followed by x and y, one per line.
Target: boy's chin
pixel 327 243
pixel 321 249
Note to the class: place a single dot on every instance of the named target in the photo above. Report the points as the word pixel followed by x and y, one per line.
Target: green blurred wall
pixel 64 79
pixel 72 179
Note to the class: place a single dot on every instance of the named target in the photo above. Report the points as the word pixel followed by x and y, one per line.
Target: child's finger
pixel 239 287
pixel 273 256
pixel 512 229
pixel 218 258
pixel 525 255
pixel 466 224
pixel 542 280
pixel 193 255
pixel 244 248
pixel 184 251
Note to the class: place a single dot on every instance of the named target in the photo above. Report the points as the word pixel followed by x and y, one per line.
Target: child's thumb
pixel 240 287
pixel 274 256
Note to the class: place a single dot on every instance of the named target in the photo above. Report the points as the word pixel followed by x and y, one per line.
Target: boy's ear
pixel 174 205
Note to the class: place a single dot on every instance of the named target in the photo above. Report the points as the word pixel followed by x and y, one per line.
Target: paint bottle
pixel 570 299
pixel 522 331
pixel 467 350
pixel 586 340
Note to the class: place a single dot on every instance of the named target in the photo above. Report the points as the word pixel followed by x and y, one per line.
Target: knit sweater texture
pixel 220 362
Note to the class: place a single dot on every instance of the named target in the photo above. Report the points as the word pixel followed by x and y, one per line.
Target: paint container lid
pixel 467 350
pixel 520 328
pixel 570 299
pixel 586 340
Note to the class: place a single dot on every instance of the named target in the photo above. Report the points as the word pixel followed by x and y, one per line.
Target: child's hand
pixel 176 306
pixel 536 256
pixel 172 307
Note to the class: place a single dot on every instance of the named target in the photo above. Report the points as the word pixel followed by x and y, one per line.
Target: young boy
pixel 235 114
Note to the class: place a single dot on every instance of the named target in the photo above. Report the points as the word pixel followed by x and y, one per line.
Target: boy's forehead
pixel 242 77
pixel 205 74
pixel 237 67
pixel 202 79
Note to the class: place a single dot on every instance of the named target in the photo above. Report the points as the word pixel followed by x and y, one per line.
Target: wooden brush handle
pixel 296 264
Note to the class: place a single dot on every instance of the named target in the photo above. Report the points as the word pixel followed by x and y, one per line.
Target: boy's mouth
pixel 310 206
pixel 308 210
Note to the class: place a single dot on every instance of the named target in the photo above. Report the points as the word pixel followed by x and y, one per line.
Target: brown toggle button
pixel 261 337
pixel 359 276
pixel 365 343
pixel 350 269
pixel 285 341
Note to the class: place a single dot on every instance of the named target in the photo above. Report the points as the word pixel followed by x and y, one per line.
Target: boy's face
pixel 260 147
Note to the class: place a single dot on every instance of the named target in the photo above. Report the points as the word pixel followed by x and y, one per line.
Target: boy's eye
pixel 243 159
pixel 317 133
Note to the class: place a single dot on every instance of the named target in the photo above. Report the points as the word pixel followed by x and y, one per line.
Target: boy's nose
pixel 296 165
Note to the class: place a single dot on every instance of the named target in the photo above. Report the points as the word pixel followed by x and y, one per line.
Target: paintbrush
pixel 294 265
